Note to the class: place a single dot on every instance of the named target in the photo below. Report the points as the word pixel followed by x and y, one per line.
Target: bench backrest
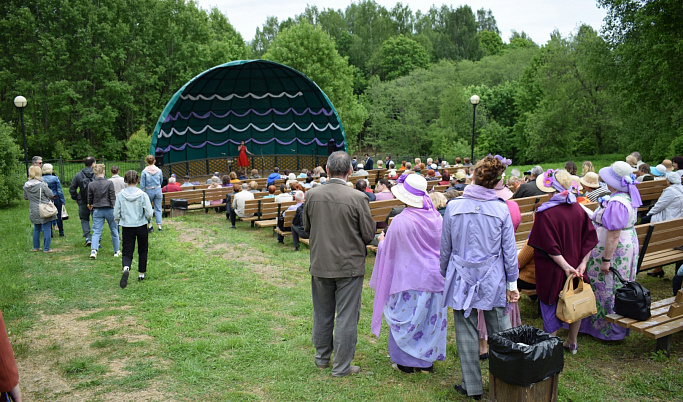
pixel 664 235
pixel 287 218
pixel 189 195
pixel 381 209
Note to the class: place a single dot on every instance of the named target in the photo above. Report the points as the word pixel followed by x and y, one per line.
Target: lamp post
pixel 20 103
pixel 474 100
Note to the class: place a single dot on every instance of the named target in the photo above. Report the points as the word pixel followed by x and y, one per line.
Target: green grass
pixel 226 315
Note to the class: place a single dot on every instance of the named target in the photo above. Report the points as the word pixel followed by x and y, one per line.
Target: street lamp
pixel 474 100
pixel 20 103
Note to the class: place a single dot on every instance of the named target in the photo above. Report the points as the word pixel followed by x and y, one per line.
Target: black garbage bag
pixel 525 355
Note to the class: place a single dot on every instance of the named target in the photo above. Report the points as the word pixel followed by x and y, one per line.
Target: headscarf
pixel 563 196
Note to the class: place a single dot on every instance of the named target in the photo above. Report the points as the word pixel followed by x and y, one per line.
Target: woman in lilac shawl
pixel 407 282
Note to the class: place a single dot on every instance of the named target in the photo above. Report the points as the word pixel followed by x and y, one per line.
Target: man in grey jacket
pixel 340 224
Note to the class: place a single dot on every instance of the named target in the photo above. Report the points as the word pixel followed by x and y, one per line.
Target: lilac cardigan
pixel 478 253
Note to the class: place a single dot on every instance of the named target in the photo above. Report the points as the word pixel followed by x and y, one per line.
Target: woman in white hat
pixel 407 281
pixel 617 247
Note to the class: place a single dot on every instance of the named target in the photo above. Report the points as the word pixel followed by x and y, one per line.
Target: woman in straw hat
pixel 479 262
pixel 407 282
pixel 562 237
pixel 617 247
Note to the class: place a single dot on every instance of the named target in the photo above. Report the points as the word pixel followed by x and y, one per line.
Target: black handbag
pixel 632 300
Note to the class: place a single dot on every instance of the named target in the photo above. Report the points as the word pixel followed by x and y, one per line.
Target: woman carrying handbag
pixel 39 198
pixel 562 237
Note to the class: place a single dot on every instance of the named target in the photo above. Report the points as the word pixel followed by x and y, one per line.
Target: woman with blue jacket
pixel 150 183
pixel 133 211
pixel 53 183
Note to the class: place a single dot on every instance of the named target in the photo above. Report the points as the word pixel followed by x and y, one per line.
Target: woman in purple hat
pixel 407 282
pixel 617 247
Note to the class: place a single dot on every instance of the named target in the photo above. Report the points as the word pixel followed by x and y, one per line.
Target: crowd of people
pixel 452 249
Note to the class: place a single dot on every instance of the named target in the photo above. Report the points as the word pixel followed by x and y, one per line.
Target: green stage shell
pixel 274 109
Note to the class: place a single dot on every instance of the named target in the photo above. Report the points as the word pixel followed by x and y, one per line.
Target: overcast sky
pixel 538 18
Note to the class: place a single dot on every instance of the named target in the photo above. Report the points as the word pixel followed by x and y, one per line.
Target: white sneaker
pixel 93 254
pixel 117 254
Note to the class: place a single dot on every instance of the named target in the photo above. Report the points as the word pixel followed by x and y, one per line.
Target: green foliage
pixel 310 50
pixel 11 173
pixel 491 43
pixel 138 145
pixel 399 56
pixel 95 71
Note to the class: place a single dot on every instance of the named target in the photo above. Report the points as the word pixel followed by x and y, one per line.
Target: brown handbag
pixel 47 210
pixel 576 303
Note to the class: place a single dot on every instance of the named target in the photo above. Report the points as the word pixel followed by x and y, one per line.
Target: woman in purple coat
pixel 479 261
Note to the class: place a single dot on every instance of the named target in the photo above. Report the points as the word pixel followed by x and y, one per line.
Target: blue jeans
pixel 46 228
pixel 155 197
pixel 98 217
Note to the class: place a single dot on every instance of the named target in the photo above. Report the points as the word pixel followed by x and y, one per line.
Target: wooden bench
pixel 660 326
pixel 270 211
pixel 657 242
pixel 650 191
pixel 215 194
pixel 527 204
pixel 194 198
pixel 286 223
pixel 251 211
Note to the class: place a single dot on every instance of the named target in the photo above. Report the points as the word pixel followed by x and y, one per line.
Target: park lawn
pixel 226 315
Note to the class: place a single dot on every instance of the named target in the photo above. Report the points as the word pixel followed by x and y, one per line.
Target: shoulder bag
pixel 47 210
pixel 631 300
pixel 575 303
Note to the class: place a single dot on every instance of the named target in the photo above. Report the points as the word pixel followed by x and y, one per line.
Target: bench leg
pixel 664 344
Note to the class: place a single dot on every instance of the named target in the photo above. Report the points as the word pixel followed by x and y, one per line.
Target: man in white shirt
pixel 238 203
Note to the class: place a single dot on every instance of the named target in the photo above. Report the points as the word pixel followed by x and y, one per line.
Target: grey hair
pixel 36 159
pixel 637 154
pixel 47 168
pixel 339 164
pixel 299 195
pixel 245 186
pixel 171 179
pixel 537 171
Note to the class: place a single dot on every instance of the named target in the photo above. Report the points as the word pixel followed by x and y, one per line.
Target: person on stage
pixel 242 159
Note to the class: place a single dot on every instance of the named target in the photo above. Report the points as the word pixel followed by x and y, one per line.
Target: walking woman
pixel 52 181
pixel 479 261
pixel 150 183
pixel 37 192
pixel 132 211
pixel 242 159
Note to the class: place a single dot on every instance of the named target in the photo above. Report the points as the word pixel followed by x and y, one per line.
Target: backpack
pixel 83 184
pixel 298 216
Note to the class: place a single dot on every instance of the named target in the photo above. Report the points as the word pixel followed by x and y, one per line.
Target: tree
pixel 491 43
pixel 647 40
pixel 11 179
pixel 399 56
pixel 310 50
pixel 487 22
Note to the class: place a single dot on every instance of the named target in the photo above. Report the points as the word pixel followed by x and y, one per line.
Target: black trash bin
pixel 178 207
pixel 525 355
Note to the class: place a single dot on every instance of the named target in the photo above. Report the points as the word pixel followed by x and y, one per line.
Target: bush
pixel 137 146
pixel 11 176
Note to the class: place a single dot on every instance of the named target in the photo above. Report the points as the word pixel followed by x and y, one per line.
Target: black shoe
pixel 88 243
pixel 141 278
pixel 124 278
pixel 296 248
pixel 233 227
pixel 150 229
pixel 483 356
pixel 61 234
pixel 463 391
pixel 659 274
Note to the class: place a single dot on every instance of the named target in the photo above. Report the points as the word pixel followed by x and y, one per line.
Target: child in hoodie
pixel 133 211
pixel 150 183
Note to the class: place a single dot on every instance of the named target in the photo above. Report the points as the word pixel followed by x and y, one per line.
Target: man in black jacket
pixel 79 193
pixel 530 189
